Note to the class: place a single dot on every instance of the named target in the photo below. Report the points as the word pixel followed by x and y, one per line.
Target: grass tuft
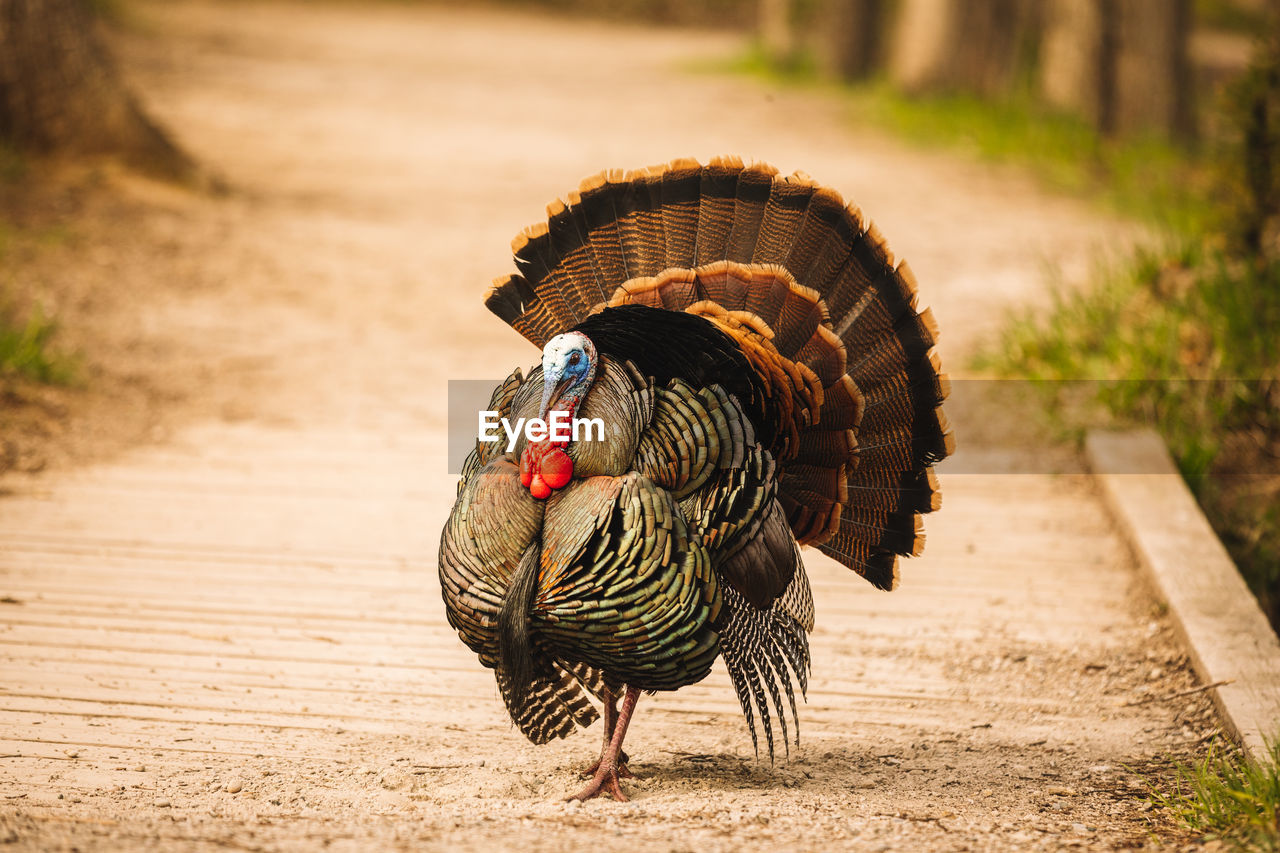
pixel 26 336
pixel 26 351
pixel 1228 798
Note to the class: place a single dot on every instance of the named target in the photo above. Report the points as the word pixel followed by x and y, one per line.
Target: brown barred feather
pixel 824 354
pixel 681 187
pixel 580 283
pixel 598 201
pixel 755 184
pixel 718 191
pixel 822 241
pixel 788 200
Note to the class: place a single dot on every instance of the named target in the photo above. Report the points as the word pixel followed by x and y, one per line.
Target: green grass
pixel 1225 797
pixel 26 349
pixel 1183 337
pixel 1147 178
pixel 1182 340
pixel 26 337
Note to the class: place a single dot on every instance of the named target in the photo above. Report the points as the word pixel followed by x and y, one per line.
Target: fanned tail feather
pixel 718 192
pixel 784 266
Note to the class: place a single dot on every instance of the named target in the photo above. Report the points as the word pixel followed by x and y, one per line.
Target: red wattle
pixel 539 489
pixel 556 468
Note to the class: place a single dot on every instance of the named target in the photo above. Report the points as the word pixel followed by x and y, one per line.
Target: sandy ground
pixel 224 628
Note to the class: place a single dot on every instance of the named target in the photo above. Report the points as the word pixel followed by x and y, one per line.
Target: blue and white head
pixel 568 369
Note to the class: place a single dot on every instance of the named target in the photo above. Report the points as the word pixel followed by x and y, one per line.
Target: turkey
pixel 764 382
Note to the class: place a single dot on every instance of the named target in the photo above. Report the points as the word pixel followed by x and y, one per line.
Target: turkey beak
pixel 552 389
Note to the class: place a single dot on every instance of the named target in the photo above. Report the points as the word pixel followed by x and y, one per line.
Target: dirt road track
pixel 233 638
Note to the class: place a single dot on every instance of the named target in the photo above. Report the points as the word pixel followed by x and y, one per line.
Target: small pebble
pixel 234 786
pixel 395 780
pixel 162 804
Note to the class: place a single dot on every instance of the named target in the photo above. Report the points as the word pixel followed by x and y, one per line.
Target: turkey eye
pixel 575 358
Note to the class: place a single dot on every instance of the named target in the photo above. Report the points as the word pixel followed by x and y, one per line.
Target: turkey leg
pixel 610 722
pixel 605 780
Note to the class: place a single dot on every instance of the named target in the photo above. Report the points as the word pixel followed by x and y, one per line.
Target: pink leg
pixel 610 723
pixel 605 780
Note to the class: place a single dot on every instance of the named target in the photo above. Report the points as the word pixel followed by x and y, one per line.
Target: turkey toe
pixel 604 782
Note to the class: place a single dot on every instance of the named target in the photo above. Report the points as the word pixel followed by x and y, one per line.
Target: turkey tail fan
pixel 809 292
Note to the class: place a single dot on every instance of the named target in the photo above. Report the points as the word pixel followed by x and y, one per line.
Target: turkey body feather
pixel 765 382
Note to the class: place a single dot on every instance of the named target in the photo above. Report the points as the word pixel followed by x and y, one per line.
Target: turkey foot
pixel 612 763
pixel 605 782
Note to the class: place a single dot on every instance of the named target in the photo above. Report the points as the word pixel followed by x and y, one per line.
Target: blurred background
pixel 243 249
pixel 1165 114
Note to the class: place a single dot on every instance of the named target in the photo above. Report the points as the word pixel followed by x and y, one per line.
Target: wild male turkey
pixel 765 382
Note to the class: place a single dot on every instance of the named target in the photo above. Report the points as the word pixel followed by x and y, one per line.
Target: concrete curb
pixel 1228 637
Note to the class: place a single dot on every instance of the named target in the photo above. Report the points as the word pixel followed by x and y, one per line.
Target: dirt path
pixel 233 637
